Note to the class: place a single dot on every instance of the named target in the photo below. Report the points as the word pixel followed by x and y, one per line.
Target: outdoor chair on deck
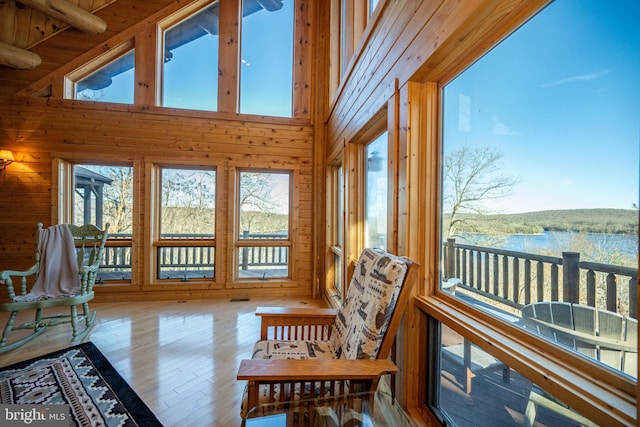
pixel 67 260
pixel 307 353
pixel 605 336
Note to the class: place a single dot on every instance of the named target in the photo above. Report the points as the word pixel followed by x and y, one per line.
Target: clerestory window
pixel 251 72
pixel 266 64
pixel 113 82
pixel 190 61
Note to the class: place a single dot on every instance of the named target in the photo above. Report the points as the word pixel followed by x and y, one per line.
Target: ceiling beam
pixel 18 58
pixel 70 14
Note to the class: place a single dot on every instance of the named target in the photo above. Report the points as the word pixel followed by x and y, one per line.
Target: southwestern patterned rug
pixel 81 377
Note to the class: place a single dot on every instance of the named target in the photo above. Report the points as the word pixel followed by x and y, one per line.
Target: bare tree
pixel 188 201
pixel 255 196
pixel 117 198
pixel 471 177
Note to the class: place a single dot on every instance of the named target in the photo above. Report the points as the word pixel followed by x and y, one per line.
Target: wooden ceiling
pixel 26 23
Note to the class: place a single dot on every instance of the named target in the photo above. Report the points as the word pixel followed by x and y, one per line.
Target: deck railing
pixel 118 258
pixel 519 278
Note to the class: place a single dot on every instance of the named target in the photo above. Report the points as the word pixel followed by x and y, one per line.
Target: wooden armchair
pixel 307 353
pixel 67 260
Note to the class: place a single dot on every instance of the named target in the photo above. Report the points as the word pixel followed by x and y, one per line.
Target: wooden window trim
pixel 331 237
pixel 593 390
pixel 95 65
pixel 153 173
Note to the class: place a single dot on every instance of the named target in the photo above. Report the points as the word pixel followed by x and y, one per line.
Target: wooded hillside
pixel 612 221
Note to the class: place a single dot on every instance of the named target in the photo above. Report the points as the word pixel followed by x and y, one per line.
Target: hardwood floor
pixel 181 357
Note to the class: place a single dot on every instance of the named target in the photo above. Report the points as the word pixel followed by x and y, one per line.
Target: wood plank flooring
pixel 180 357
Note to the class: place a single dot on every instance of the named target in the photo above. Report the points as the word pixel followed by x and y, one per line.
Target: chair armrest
pixel 273 370
pixel 31 271
pixel 602 342
pixel 298 323
pixel 8 282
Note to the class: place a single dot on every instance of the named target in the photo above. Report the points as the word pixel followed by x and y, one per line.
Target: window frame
pixel 335 200
pixel 170 23
pixel 71 79
pixel 63 187
pixel 155 238
pixel 236 243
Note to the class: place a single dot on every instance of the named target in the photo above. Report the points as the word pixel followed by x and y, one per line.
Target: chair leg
pixel 87 312
pixel 8 327
pixel 89 319
pixel 74 322
pixel 37 330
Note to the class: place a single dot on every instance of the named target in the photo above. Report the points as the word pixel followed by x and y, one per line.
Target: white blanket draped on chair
pixel 58 266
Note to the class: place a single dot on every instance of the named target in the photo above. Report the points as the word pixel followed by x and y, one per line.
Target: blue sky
pixel 560 99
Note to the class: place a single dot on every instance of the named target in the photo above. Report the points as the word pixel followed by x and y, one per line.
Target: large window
pixel 264 214
pixel 204 59
pixel 186 244
pixel 540 198
pixel 266 68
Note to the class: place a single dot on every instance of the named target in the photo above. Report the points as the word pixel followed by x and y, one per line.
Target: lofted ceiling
pixel 26 23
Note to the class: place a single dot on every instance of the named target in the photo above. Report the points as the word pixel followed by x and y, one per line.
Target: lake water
pixel 603 248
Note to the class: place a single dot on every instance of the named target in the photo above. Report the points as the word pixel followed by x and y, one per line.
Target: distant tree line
pixel 608 221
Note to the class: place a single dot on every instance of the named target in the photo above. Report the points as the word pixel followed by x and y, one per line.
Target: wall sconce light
pixel 6 158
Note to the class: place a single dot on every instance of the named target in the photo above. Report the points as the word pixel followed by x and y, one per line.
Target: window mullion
pixel 229 55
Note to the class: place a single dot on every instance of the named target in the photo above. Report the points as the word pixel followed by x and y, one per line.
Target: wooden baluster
pixel 612 292
pixel 515 286
pixel 540 281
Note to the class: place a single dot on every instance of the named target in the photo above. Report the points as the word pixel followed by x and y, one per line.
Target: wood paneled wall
pixel 40 129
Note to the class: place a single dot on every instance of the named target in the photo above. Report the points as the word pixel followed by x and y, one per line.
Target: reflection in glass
pixel 477 389
pixel 266 69
pixel 190 67
pixel 372 6
pixel 376 208
pixel 111 83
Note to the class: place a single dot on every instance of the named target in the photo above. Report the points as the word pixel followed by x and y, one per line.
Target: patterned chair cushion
pixel 364 316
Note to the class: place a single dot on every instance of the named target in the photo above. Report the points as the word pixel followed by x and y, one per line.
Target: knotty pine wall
pixel 40 129
pixel 412 44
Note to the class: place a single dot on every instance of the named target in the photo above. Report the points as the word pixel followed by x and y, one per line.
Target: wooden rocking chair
pixel 57 286
pixel 308 353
